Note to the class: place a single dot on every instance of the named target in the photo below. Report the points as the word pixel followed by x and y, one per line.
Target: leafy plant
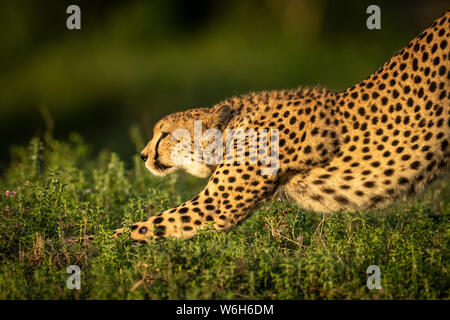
pixel 56 190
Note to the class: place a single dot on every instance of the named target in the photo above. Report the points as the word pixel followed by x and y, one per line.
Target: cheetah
pixel 383 139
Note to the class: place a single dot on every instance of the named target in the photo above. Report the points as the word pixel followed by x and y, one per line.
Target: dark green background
pixel 135 61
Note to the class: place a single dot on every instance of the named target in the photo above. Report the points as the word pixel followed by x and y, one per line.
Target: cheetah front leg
pixel 231 195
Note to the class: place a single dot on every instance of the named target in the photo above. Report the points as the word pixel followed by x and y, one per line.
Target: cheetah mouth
pixel 158 169
pixel 161 167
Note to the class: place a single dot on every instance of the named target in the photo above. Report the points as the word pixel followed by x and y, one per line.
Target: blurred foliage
pixel 135 61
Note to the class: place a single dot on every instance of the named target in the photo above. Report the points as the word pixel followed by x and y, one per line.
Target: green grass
pixel 281 252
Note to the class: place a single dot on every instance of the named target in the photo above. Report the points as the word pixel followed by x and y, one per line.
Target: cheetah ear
pixel 219 117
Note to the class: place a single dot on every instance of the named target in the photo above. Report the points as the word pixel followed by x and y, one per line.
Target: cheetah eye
pixel 164 134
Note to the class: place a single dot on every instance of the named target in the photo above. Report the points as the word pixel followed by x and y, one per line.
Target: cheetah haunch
pixel 382 139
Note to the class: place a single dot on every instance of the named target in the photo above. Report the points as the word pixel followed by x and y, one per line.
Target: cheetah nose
pixel 144 157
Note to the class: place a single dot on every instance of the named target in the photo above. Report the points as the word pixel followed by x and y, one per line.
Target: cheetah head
pixel 169 150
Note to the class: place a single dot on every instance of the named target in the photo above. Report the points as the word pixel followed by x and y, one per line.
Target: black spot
pixel 431 166
pixel 415 64
pixel 183 210
pixel 444 145
pixel 185 219
pixel 209 200
pixel 301 125
pixel 369 184
pixel 158 220
pixel 436 61
pixel 406 157
pixel 432 87
pixel 395 94
pixel 143 230
pixel 342 200
pixel 376 199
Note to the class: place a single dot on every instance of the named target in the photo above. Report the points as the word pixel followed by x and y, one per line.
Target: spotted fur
pixel 382 139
